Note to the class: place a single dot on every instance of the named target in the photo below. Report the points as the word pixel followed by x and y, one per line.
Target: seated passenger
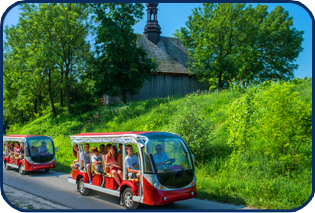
pixel 160 157
pixel 113 160
pixel 120 147
pixel 132 163
pixel 43 148
pixel 98 163
pixel 107 149
pixel 75 152
pixel 87 161
pixel 17 150
pixel 22 149
pixel 6 149
pixel 11 149
pixel 102 147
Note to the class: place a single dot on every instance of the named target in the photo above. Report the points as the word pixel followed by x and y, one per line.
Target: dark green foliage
pixel 119 66
pixel 229 41
pixel 83 107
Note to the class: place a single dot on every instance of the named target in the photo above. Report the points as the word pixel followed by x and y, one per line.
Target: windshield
pixel 170 155
pixel 41 150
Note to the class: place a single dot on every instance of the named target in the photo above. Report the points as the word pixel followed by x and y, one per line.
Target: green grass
pixel 252 182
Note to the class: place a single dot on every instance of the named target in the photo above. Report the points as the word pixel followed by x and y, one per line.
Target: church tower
pixel 152 30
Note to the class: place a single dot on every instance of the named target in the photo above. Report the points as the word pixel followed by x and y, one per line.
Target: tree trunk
pixel 124 95
pixel 68 99
pixel 220 82
pixel 61 98
pixel 68 86
pixel 50 95
pixel 61 91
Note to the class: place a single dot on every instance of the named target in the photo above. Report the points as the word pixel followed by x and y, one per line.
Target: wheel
pixel 83 191
pixel 128 199
pixel 21 170
pixel 6 165
pixel 47 170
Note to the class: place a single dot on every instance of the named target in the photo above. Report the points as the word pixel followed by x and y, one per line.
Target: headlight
pixel 156 185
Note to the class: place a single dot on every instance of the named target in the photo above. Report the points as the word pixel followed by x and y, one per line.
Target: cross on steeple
pixel 152 29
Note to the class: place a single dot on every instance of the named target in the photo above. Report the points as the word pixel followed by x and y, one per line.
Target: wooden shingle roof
pixel 169 52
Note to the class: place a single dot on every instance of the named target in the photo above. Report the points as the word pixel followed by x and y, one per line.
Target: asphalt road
pixel 53 187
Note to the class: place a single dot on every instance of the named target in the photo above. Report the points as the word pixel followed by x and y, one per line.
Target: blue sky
pixel 172 16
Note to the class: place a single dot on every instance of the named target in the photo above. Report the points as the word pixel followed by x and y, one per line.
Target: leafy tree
pixel 46 50
pixel 250 44
pixel 119 65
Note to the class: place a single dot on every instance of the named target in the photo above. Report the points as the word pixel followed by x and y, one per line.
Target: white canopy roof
pixel 123 139
pixel 16 139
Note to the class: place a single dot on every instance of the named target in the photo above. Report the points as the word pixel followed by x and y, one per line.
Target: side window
pixel 147 163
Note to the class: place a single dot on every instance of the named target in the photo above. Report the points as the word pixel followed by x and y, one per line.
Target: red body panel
pixel 76 173
pixel 12 161
pixel 153 196
pixel 35 167
pixel 133 185
pixel 97 180
pixel 110 183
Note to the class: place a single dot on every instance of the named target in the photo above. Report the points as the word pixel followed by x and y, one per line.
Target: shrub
pixel 192 126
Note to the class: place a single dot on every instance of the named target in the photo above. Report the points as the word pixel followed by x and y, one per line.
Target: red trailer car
pixel 38 153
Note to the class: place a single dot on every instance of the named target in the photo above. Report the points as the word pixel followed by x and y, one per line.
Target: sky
pixel 172 16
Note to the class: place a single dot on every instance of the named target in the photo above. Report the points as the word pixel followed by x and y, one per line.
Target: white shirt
pixel 158 159
pixel 86 156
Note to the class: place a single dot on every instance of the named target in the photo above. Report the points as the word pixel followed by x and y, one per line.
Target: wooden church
pixel 172 77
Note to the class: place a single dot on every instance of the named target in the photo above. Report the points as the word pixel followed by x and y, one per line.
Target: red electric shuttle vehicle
pixel 39 153
pixel 157 185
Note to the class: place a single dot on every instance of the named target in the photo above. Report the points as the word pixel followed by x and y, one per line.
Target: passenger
pixel 22 149
pixel 87 161
pixel 120 147
pixel 75 152
pixel 160 157
pixel 43 148
pixel 11 149
pixel 132 163
pixel 107 148
pixel 6 148
pixel 113 160
pixel 102 147
pixel 98 163
pixel 17 150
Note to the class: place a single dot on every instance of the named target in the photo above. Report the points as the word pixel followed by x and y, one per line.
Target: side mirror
pixel 148 147
pixel 56 149
pixel 193 158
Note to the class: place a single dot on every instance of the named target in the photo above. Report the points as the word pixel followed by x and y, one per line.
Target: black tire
pixel 128 199
pixel 83 191
pixel 47 170
pixel 21 170
pixel 6 165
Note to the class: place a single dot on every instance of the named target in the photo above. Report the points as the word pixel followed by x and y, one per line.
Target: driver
pixel 160 157
pixel 43 148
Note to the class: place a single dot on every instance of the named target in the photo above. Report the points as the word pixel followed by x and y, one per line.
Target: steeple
pixel 152 29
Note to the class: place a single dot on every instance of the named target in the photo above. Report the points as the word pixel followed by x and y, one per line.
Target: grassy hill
pixel 243 153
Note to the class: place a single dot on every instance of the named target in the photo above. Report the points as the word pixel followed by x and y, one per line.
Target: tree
pixel 232 40
pixel 119 65
pixel 47 47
